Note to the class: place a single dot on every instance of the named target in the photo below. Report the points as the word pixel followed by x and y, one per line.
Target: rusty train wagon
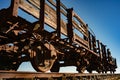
pixel 68 42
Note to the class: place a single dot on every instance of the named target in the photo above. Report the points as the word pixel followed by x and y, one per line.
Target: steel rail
pixel 19 74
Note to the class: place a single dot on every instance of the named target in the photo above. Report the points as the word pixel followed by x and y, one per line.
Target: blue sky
pixel 102 16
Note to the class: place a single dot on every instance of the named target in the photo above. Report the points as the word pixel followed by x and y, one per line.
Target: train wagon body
pixel 57 38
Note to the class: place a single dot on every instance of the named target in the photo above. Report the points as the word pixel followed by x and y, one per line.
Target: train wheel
pixel 81 70
pixel 41 59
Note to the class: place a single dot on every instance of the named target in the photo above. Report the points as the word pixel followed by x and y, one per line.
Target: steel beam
pixel 99 49
pixel 58 18
pixel 94 43
pixel 70 25
pixel 89 39
pixel 42 14
pixel 103 48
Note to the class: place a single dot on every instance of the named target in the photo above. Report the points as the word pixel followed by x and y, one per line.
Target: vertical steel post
pixel 69 25
pixel 86 37
pixel 89 38
pixel 14 7
pixel 108 53
pixel 58 18
pixel 104 60
pixel 115 65
pixel 94 43
pixel 109 56
pixel 105 53
pixel 103 47
pixel 42 14
pixel 99 49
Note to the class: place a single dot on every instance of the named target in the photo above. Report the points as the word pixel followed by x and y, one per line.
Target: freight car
pixel 58 38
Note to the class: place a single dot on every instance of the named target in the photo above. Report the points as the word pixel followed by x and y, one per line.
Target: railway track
pixel 13 75
pixel 57 35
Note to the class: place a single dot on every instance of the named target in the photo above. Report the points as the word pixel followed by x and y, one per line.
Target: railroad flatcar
pixel 58 38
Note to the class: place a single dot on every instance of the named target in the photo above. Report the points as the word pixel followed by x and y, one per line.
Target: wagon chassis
pixel 21 40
